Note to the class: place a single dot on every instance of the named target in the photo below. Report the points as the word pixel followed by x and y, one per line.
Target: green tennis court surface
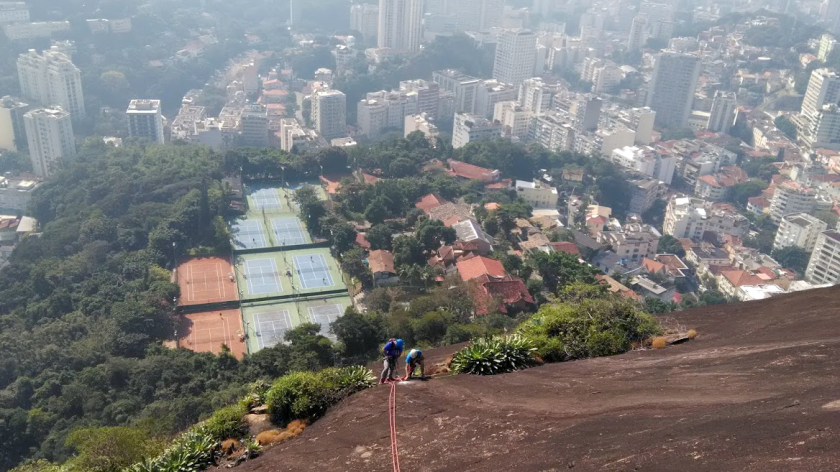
pixel 284 273
pixel 267 323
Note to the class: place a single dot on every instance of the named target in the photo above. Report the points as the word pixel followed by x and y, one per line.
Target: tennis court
pixel 270 327
pixel 275 273
pixel 268 322
pixel 325 315
pixel 206 280
pixel 289 232
pixel 248 234
pixel 312 271
pixel 265 199
pixel 208 331
pixel 263 276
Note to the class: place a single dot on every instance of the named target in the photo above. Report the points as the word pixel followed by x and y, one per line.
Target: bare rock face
pixel 756 391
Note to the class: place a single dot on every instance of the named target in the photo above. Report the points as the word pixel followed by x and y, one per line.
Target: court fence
pixel 213 306
pixel 312 245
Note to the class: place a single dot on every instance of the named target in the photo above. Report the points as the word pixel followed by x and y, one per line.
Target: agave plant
pixel 192 452
pixel 497 355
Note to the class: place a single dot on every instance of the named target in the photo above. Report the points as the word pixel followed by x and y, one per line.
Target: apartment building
pixel 469 128
pixel 12 130
pixel 800 230
pixel 49 133
pixel 400 23
pixel 51 79
pixel 329 113
pixel 381 110
pixel 145 120
pixel 516 56
pixel 824 266
pixel 672 87
pixel 688 217
pixel 536 193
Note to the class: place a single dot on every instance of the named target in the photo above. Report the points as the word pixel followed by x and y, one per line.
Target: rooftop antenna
pixel 291 14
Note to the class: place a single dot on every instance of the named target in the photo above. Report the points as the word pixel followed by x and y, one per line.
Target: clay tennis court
pixel 206 280
pixel 207 331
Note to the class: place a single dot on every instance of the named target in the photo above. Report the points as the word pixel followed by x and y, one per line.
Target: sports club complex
pixel 278 278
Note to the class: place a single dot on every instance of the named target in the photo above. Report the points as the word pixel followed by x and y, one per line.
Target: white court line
pixel 263 333
pixel 275 276
pixel 219 285
pixel 311 276
pixel 190 289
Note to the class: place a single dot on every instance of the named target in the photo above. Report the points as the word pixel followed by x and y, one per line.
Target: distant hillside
pixel 753 392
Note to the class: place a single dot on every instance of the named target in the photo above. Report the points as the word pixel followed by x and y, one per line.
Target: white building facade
pixel 49 133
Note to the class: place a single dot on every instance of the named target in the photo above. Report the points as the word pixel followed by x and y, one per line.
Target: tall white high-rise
pixel 672 88
pixel 381 110
pixel 824 266
pixel 638 33
pixel 329 113
pixel 827 44
pixel 253 123
pixel 535 95
pixel 491 92
pixel 722 116
pixel 12 130
pixel 51 79
pixel 823 89
pixel 145 120
pixel 516 54
pixel 365 19
pixel 49 132
pixel 400 23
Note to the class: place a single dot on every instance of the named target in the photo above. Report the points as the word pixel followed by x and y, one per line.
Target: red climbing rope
pixel 392 420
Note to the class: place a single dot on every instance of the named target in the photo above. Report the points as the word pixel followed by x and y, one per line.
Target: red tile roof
pixel 653 267
pixel 430 201
pixel 478 266
pixel 381 261
pixel 473 172
pixel 565 246
pixel 362 241
pixel 509 291
pixel 759 202
pixel 739 278
pixel 501 184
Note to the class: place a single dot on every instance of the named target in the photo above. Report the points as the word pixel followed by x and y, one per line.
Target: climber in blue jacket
pixel 392 351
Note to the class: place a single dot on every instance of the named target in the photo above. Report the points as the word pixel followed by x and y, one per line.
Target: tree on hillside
pixel 407 251
pixel 792 257
pixel 670 245
pixel 559 269
pixel 739 194
pixel 433 233
pixel 359 334
pixel 786 126
pixel 380 236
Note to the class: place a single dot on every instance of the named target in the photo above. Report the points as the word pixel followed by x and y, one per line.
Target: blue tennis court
pixel 288 231
pixel 325 315
pixel 248 234
pixel 313 271
pixel 265 199
pixel 271 326
pixel 262 276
